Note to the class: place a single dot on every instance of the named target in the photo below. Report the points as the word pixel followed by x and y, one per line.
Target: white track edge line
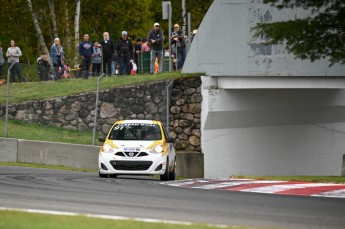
pixel 111 217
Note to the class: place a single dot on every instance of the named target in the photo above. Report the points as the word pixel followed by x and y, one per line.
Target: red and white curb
pixel 265 186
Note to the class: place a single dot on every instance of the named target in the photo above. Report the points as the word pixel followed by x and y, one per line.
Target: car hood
pixel 134 145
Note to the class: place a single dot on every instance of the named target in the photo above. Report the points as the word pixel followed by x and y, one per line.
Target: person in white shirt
pixel 13 53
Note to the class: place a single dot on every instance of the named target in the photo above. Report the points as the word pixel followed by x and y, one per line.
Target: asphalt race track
pixel 145 197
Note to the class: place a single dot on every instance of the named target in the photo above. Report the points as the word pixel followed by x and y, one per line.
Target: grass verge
pixel 316 179
pixel 40 166
pixel 21 130
pixel 57 167
pixel 20 92
pixel 23 220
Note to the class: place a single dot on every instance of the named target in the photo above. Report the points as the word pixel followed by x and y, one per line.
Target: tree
pixel 51 4
pixel 76 30
pixel 40 40
pixel 319 36
pixel 35 22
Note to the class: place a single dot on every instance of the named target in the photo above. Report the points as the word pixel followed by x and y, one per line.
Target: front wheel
pixel 172 174
pixel 102 175
pixel 165 176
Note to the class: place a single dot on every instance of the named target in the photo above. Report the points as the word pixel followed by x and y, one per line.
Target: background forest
pixel 35 23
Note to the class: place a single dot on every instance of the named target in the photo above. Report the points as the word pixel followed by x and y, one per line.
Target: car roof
pixel 138 121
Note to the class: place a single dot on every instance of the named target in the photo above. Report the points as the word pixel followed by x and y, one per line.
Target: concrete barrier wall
pixel 8 149
pixel 189 164
pixel 50 153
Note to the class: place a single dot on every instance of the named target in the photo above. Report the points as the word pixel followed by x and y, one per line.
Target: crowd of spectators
pixel 119 57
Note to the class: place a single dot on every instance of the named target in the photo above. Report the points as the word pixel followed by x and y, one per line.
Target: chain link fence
pixel 145 102
pixel 71 119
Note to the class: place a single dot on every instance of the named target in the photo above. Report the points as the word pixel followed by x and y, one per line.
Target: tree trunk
pixel 51 4
pixel 76 31
pixel 41 44
pixel 68 35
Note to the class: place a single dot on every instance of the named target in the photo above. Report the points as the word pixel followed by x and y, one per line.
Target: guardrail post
pixel 168 104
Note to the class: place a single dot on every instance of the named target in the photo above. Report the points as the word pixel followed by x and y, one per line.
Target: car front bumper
pixel 153 164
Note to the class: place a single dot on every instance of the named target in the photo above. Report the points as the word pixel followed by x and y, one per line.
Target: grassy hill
pixel 20 92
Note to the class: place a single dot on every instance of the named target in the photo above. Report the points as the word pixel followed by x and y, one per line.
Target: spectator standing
pixel 58 58
pixel 156 38
pixel 108 49
pixel 114 65
pixel 144 60
pixel 178 42
pixel 2 61
pixel 43 67
pixel 86 54
pixel 144 46
pixel 96 59
pixel 137 50
pixel 124 51
pixel 13 53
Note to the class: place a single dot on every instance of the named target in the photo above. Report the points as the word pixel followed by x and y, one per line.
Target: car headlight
pixel 107 148
pixel 157 149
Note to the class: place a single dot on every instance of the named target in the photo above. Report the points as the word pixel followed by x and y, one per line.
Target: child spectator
pixel 137 50
pixel 144 46
pixel 96 59
pixel 43 68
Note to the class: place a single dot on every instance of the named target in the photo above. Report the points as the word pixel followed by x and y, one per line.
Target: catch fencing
pixel 77 118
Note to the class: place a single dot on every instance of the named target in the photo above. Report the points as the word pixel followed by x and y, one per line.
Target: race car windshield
pixel 135 131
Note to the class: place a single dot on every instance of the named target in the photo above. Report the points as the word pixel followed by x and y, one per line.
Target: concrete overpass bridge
pixel 265 112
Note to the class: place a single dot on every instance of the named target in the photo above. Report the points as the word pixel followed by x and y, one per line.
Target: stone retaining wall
pixel 144 101
pixel 185 112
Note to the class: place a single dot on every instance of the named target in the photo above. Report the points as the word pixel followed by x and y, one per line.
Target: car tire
pixel 165 176
pixel 172 174
pixel 102 175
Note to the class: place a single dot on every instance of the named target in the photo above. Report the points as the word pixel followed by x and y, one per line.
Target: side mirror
pixel 170 140
pixel 101 139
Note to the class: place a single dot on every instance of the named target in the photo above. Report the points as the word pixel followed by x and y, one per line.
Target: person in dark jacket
pixel 108 50
pixel 86 53
pixel 43 67
pixel 58 58
pixel 179 44
pixel 156 38
pixel 137 51
pixel 124 51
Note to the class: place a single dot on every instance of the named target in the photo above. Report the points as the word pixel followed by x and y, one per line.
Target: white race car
pixel 137 147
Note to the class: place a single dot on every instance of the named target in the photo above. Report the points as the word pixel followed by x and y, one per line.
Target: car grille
pixel 142 154
pixel 120 154
pixel 131 154
pixel 131 165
